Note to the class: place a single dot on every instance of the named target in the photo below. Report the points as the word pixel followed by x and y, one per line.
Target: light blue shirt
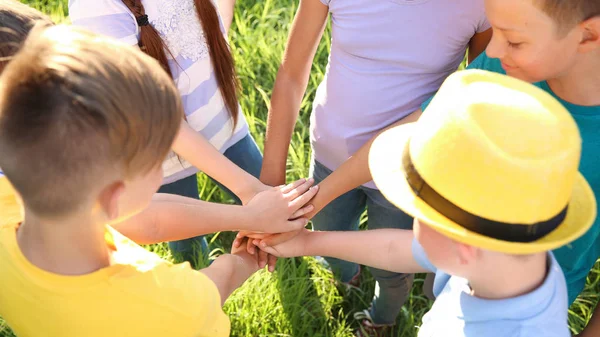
pixel 578 257
pixel 456 313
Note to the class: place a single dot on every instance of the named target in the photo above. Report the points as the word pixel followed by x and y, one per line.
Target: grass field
pixel 299 298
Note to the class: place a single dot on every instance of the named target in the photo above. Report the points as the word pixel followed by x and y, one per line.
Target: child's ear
pixel 591 35
pixel 108 199
pixel 466 254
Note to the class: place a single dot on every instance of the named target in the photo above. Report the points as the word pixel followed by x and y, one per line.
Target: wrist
pixel 249 219
pixel 249 189
pixel 273 171
pixel 245 263
pixel 309 246
pixel 323 197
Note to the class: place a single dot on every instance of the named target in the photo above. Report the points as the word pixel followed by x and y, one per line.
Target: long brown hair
pixel 222 60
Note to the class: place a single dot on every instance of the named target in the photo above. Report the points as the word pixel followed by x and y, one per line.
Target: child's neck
pixel 73 246
pixel 510 277
pixel 581 84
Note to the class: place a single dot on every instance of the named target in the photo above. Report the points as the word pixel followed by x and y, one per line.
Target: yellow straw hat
pixel 493 163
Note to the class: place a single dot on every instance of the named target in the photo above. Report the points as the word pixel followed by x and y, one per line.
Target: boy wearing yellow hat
pixel 491 175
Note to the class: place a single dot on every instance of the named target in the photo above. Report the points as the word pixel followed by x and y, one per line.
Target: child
pixel 188 39
pixel 555 45
pixel 172 217
pixel 384 62
pixel 83 155
pixel 490 174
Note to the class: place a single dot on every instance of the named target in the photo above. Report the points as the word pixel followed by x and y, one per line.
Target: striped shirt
pixel 179 26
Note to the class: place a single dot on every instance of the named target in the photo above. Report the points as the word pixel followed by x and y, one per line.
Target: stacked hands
pixel 294 201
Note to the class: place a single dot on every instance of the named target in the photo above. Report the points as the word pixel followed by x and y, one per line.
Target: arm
pixel 173 217
pixel 353 172
pixel 290 85
pixel 200 153
pixel 230 271
pixel 226 10
pixel 387 249
pixel 593 327
pixel 478 44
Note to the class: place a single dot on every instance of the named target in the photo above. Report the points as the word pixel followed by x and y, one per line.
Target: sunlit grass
pixel 300 298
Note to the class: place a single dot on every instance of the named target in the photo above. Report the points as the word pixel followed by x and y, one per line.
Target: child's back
pixel 78 141
pixel 457 312
pixel 139 295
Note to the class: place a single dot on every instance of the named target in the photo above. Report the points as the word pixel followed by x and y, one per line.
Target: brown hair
pixel 16 20
pixel 222 60
pixel 568 13
pixel 77 109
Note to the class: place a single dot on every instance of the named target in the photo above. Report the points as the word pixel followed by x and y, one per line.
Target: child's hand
pixel 245 246
pixel 278 209
pixel 289 244
pixel 250 260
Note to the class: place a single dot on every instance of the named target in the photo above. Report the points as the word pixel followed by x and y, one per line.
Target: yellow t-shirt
pixel 139 295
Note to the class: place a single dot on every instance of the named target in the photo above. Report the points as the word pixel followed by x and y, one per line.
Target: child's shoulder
pixel 152 293
pixel 9 204
pixel 79 9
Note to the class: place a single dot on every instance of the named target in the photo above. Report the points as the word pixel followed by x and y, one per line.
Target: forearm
pixel 229 272
pixel 192 146
pixel 593 327
pixel 285 106
pixel 172 217
pixel 478 44
pixel 354 171
pixel 226 10
pixel 387 249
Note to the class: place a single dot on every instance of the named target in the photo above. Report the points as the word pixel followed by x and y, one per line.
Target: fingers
pixel 272 252
pixel 302 211
pixel 252 235
pixel 272 262
pixel 237 242
pixel 251 247
pixel 299 190
pixel 274 240
pixel 304 198
pixel 262 258
pixel 297 184
pixel 287 188
pixel 293 227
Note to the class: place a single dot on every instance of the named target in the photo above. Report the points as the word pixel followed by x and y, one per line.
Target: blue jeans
pixel 244 154
pixel 343 214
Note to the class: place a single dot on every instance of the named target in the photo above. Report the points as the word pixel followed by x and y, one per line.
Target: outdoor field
pixel 300 298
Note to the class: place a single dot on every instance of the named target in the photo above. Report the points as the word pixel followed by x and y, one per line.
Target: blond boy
pixel 85 123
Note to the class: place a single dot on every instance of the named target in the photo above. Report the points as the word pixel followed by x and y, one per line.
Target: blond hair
pixel 568 13
pixel 74 106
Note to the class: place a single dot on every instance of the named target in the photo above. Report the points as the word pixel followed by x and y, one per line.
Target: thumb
pixel 296 225
pixel 269 250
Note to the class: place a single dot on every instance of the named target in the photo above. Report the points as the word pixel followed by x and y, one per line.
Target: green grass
pixel 299 298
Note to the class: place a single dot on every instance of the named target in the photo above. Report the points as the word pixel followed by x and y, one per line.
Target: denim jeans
pixel 244 154
pixel 343 214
